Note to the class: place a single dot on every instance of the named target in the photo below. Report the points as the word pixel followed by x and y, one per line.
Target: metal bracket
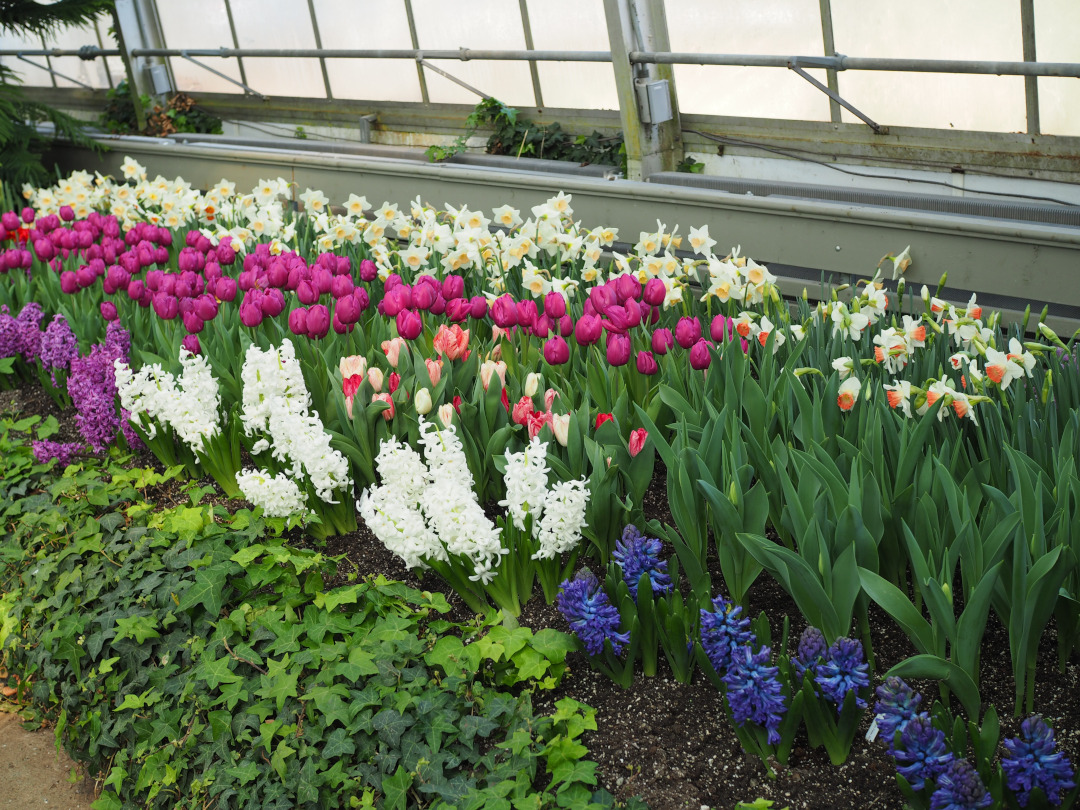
pixel 420 60
pixel 204 66
pixel 48 69
pixel 830 62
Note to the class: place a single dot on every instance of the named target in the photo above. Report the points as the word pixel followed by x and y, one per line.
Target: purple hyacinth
pixel 117 341
pixel 59 346
pixel 637 554
pixel 63 452
pixel 723 632
pixel 959 787
pixel 92 387
pixel 844 670
pixel 28 324
pixel 896 706
pixel 922 754
pixel 9 333
pixel 591 615
pixel 811 652
pixel 754 693
pixel 1033 761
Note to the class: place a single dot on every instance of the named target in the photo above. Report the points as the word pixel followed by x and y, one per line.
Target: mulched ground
pixel 670 743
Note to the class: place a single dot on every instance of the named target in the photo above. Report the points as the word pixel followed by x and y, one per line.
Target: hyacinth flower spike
pixel 596 623
pixel 1033 762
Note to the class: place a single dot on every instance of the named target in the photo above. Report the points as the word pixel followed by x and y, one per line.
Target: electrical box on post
pixel 159 80
pixel 654 100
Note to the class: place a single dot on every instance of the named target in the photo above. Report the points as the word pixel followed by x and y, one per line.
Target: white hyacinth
pixel 278 495
pixel 560 528
pixel 276 401
pixel 399 526
pixel 190 405
pixel 526 479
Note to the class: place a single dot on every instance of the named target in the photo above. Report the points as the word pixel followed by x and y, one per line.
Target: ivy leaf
pixel 390 725
pixel 207 590
pixel 395 789
pixel 277 762
pixel 244 773
pixel 279 682
pixel 217 672
pixel 329 702
pixel 338 744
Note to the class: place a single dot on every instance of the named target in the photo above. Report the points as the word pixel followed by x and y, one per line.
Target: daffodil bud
pixel 1024 321
pixel 423 401
pixel 1047 332
pixel 941 283
pixel 900 285
pixel 925 294
pixel 1047 383
pixel 532 384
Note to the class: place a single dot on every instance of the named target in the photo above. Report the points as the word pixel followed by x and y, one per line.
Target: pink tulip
pixel 388 414
pixel 452 341
pixel 523 408
pixel 393 348
pixel 637 441
pixel 434 369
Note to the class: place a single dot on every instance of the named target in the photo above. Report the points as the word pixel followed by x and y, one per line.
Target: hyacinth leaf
pixel 938 669
pixel 972 624
pixel 984 740
pixel 893 601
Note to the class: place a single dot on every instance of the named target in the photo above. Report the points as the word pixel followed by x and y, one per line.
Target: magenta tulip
pixel 251 313
pixel 457 309
pixel 662 341
pixel 165 306
pixel 566 325
pixel 700 356
pixel 225 289
pixel 347 310
pixel 272 302
pixel 687 332
pixel 423 296
pixel 206 307
pixel 307 292
pixel 68 282
pixel 298 321
pixel 409 324
pixel 556 351
pixel 722 328
pixel 478 307
pixel 191 343
pixel 587 330
pixel 339 287
pixel 618 349
pixel 10 221
pixel 368 270
pixel 627 286
pixel 504 312
pixel 554 305
pixel 318 321
pixel 108 311
pixel 453 287
pixel 646 363
pixel 192 322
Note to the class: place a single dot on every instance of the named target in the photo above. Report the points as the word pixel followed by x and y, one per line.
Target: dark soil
pixel 671 743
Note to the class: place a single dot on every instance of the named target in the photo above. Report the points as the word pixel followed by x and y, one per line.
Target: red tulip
pixel 603 417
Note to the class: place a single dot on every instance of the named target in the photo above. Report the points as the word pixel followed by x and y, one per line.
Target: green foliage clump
pixel 513 134
pixel 178 114
pixel 189 657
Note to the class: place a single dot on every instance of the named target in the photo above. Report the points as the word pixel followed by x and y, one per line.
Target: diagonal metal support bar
pixel 204 66
pixel 793 65
pixel 48 69
pixel 420 60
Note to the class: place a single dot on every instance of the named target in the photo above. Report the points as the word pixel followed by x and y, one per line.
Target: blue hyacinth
pixel 960 788
pixel 590 614
pixel 1033 761
pixel 897 704
pixel 754 692
pixel 723 631
pixel 812 647
pixel 922 753
pixel 844 670
pixel 637 554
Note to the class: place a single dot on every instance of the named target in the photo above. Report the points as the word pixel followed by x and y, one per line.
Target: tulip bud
pixel 108 311
pixel 662 341
pixel 560 426
pixel 434 370
pixel 453 287
pixel 554 305
pixel 556 351
pixel 637 441
pixel 687 332
pixel 446 413
pixel 375 379
pixel 423 401
pixel 646 364
pixel 318 321
pixel 588 329
pixel 532 384
pixel 409 323
pixel 618 349
pixel 503 312
pixel 191 344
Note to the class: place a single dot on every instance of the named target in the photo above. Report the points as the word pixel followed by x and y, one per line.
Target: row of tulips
pixel 827 424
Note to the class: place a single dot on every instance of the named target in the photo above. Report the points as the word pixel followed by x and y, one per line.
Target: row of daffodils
pixel 490 396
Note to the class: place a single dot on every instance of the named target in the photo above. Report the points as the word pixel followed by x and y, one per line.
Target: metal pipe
pixel 829 43
pixel 318 44
pixel 235 40
pixel 1031 83
pixel 415 40
pixel 839 62
pixel 526 29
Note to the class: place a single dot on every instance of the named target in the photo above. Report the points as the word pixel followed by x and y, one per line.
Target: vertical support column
pixel 641 25
pixel 235 41
pixel 1031 83
pixel 416 46
pixel 534 71
pixel 48 61
pixel 134 82
pixel 138 26
pixel 318 44
pixel 829 43
pixel 104 59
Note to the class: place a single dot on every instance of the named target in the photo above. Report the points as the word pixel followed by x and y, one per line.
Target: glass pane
pixel 570 25
pixel 489 24
pixel 30 75
pixel 90 72
pixel 783 27
pixel 278 24
pixel 1056 24
pixel 347 24
pixel 901 30
pixel 199 24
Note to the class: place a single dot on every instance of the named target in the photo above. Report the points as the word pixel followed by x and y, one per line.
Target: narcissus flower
pixel 899 396
pixel 848 393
